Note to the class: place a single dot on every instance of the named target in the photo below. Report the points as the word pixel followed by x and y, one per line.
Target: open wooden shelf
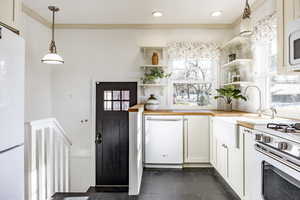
pixel 153 66
pixel 235 41
pixel 237 62
pixel 239 83
pixel 153 85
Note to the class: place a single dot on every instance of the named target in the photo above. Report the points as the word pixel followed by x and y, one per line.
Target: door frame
pixel 93 125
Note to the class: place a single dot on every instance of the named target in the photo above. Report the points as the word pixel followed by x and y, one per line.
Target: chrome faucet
pixel 274 112
pixel 260 98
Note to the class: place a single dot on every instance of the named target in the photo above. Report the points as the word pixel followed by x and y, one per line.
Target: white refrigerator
pixel 12 62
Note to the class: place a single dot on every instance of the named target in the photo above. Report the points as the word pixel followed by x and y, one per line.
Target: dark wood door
pixel 112 132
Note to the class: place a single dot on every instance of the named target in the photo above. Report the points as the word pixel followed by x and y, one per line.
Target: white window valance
pixel 193 50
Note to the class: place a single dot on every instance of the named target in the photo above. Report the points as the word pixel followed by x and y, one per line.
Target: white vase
pixel 228 107
pixel 157 81
pixel 152 103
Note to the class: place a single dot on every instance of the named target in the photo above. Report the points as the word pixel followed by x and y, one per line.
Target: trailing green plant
pixel 154 74
pixel 228 93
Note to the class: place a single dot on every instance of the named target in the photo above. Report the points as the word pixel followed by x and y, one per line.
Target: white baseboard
pixel 162 166
pixel 197 165
pixel 179 166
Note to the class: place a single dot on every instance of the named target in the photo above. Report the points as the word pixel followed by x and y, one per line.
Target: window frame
pixel 214 81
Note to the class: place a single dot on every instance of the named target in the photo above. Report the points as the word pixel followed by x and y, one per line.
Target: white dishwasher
pixel 164 140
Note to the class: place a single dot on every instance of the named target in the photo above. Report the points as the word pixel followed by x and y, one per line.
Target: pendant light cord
pixel 247 11
pixel 53 19
pixel 52 44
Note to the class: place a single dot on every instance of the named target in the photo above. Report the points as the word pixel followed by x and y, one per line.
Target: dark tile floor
pixel 188 184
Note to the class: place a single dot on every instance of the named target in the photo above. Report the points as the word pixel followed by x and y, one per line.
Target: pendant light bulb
pixel 52 57
pixel 246 24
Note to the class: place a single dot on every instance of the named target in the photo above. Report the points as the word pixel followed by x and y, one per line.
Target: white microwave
pixel 294 45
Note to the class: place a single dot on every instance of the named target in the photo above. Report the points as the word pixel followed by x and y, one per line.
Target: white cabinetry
pixel 222 159
pixel 287 11
pixel 213 144
pixel 236 164
pixel 249 153
pixel 297 9
pixel 9 13
pixel 227 156
pixel 164 140
pixel 196 139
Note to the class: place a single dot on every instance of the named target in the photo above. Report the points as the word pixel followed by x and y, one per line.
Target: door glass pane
pixel 107 105
pixel 125 105
pixel 116 105
pixel 116 95
pixel 125 95
pixel 107 95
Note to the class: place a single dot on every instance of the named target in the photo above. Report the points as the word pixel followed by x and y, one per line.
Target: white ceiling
pixel 139 11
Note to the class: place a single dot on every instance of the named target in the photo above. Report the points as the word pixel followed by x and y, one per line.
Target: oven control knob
pixel 258 137
pixel 283 146
pixel 266 139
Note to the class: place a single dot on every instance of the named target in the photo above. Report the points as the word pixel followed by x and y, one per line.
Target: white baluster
pixel 61 166
pixel 56 164
pixel 41 164
pixel 67 169
pixel 49 162
pixel 34 165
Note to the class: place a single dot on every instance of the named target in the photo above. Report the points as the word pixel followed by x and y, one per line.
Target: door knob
pixel 98 138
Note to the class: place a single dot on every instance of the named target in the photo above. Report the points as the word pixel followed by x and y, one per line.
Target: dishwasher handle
pixel 164 120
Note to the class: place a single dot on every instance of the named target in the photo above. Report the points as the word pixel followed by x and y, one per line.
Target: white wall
pixel 253 101
pixel 102 55
pixel 37 76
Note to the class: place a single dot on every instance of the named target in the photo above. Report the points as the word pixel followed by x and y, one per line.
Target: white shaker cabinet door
pixel 213 144
pixel 252 168
pixel 222 159
pixel 10 11
pixel 7 12
pixel 12 174
pixel 196 139
pixel 236 165
pixel 297 9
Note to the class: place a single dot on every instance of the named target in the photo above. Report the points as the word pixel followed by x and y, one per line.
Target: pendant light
pixel 52 57
pixel 246 27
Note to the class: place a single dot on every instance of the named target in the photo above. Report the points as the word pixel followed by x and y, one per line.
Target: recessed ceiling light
pixel 157 14
pixel 216 13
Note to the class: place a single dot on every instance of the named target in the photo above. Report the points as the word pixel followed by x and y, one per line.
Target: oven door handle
pixel 286 162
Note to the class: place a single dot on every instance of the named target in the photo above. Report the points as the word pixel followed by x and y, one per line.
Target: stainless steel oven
pixel 279 173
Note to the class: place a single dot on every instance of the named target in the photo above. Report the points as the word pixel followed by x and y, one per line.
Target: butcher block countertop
pixel 245 119
pixel 218 113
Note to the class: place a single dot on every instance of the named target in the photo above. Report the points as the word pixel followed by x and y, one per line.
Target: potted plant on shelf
pixel 228 94
pixel 154 76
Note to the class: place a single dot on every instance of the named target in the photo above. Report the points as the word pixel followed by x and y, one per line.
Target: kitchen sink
pixel 256 120
pixel 260 121
pixel 265 120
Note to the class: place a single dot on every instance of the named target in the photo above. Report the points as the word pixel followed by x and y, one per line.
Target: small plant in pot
pixel 228 94
pixel 154 75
